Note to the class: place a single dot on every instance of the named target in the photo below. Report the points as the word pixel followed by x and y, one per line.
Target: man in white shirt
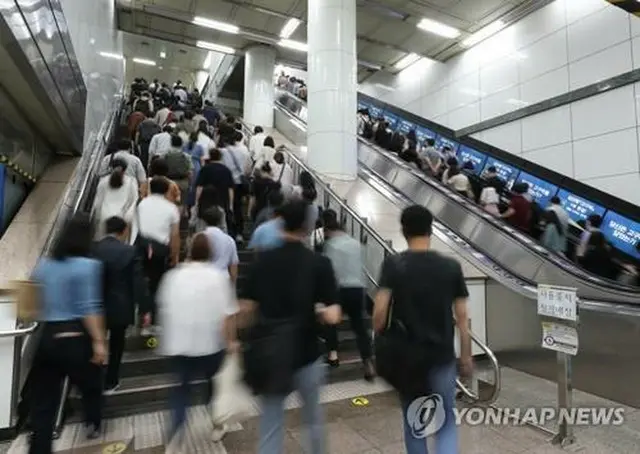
pixel 160 143
pixel 162 116
pixel 238 161
pixel 159 236
pixel 224 251
pixel 257 141
pixel 563 216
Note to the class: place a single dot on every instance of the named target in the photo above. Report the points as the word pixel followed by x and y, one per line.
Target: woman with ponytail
pixel 116 195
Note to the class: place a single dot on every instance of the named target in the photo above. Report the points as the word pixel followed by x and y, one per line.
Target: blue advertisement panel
pixel 375 112
pixel 424 134
pixel 622 233
pixel 442 142
pixel 478 159
pixel 391 119
pixel 363 105
pixel 405 126
pixel 578 208
pixel 505 171
pixel 541 191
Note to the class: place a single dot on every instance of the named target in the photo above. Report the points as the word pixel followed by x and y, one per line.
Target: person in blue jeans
pixel 293 282
pixel 424 285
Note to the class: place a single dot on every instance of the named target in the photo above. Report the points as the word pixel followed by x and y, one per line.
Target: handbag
pixel 28 300
pixel 270 349
pixel 400 360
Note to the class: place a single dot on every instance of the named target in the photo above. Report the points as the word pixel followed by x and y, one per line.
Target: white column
pixel 332 88
pixel 259 65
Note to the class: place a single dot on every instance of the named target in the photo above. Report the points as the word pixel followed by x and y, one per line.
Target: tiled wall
pixel 562 47
pixel 91 25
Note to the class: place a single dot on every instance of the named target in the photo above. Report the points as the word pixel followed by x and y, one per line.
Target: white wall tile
pixel 635 25
pixel 610 111
pixel 464 116
pixel 507 137
pixel 540 24
pixel 610 62
pixel 547 128
pixel 557 158
pixel 606 155
pixel 465 91
pixel 436 103
pixel 578 9
pixel 498 76
pixel 461 65
pixel 635 48
pixel 545 55
pixel 598 31
pixel 547 86
pixel 499 103
pixel 625 187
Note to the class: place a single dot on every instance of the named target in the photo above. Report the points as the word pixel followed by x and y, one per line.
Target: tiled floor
pixel 371 429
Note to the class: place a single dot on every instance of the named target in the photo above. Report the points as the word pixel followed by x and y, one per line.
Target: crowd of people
pixel 181 190
pixel 551 225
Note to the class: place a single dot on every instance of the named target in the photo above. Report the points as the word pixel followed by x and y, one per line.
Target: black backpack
pixel 367 130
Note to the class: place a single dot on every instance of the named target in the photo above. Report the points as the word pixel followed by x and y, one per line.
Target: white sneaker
pixel 219 432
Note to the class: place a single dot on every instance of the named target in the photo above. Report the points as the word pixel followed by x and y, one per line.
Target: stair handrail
pixel 388 250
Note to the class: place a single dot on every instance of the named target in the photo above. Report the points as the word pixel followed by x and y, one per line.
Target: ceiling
pixel 180 62
pixel 386 28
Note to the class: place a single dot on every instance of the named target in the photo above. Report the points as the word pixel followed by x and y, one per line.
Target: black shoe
pixel 369 371
pixel 93 432
pixel 332 363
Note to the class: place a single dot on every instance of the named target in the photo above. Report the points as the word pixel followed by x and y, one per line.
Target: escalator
pixel 504 254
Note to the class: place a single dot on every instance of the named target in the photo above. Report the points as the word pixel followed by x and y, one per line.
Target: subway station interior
pixel 544 94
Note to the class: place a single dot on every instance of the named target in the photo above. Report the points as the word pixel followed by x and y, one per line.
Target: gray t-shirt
pixel 432 155
pixel 225 252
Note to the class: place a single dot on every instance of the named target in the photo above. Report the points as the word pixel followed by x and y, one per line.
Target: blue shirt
pixel 71 288
pixel 225 252
pixel 267 236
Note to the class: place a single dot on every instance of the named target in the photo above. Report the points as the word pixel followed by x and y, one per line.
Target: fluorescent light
pixel 216 25
pixel 407 61
pixel 439 29
pixel 143 61
pixel 484 33
pixel 372 66
pixel 110 55
pixel 215 47
pixel 207 61
pixel 289 28
pixel 163 54
pixel 295 45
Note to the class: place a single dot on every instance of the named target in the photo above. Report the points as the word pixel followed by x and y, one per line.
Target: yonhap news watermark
pixel 426 416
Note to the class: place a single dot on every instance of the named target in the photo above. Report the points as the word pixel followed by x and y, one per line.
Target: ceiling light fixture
pixel 163 54
pixel 484 33
pixel 207 61
pixel 215 47
pixel 407 61
pixel 295 45
pixel 289 28
pixel 216 25
pixel 368 65
pixel 144 61
pixel 111 55
pixel 439 29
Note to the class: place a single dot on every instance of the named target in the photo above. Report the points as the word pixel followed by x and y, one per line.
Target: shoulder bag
pixel 270 347
pixel 245 181
pixel 401 360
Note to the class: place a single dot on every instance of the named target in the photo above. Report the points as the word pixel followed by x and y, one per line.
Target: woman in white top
pixel 265 154
pixel 116 195
pixel 489 199
pixel 281 172
pixel 196 307
pixel 204 138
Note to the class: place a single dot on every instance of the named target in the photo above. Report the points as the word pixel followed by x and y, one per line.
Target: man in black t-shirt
pixel 218 175
pixel 292 282
pixel 425 286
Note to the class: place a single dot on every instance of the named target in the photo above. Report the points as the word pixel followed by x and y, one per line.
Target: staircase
pixel 147 381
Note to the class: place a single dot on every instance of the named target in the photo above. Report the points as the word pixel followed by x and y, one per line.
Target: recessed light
pixel 407 61
pixel 439 29
pixel 215 47
pixel 216 25
pixel 111 55
pixel 289 28
pixel 144 61
pixel 163 54
pixel 295 45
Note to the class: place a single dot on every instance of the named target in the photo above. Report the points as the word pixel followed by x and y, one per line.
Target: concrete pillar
pixel 332 88
pixel 259 65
